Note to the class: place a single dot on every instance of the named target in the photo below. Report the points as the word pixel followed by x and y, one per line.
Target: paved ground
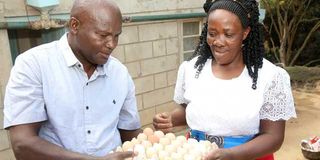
pixel 306 125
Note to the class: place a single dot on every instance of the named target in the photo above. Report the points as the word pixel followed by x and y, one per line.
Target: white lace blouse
pixel 231 107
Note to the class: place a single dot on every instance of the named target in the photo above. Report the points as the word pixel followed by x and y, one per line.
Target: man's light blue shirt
pixel 83 115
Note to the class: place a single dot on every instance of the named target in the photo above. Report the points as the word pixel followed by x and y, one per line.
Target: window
pixel 191 33
pixel 24 39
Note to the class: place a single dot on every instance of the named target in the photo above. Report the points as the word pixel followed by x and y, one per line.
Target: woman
pixel 228 93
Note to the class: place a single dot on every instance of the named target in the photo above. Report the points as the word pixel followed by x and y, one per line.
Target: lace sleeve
pixel 278 100
pixel 180 85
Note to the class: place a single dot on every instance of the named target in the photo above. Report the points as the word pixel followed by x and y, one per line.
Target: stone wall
pixel 150 50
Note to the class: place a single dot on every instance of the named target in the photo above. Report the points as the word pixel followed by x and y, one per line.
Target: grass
pixel 304 74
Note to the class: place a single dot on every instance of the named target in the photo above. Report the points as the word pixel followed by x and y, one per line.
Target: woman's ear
pixel 74 25
pixel 246 33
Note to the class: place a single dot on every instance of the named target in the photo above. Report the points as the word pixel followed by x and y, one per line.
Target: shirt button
pixel 88 131
pixel 87 107
pixel 87 83
pixel 79 65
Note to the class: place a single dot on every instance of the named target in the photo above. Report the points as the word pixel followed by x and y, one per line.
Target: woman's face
pixel 225 36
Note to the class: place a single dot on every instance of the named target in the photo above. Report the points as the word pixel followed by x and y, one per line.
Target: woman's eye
pixel 211 34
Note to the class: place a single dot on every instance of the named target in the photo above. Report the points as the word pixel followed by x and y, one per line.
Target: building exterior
pixel 161 34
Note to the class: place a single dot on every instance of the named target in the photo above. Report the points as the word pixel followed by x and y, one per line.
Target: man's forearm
pixel 36 148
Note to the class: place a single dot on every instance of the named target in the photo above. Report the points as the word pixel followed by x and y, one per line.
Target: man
pixel 70 99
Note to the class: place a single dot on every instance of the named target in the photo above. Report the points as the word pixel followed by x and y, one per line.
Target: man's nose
pixel 111 43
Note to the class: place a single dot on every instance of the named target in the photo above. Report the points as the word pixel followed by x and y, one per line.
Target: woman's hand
pixel 163 122
pixel 219 154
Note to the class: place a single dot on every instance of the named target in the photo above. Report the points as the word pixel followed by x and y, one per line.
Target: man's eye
pixel 229 35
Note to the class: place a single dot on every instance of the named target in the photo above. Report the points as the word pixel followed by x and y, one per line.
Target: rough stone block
pixel 139 102
pixel 157 65
pixel 159 48
pixel 167 107
pixel 158 97
pixel 138 51
pixel 129 35
pixel 4 140
pixel 134 69
pixel 146 116
pixel 158 31
pixel 172 46
pixel 144 84
pixel 118 53
pixel 7 155
pixel 160 80
pixel 172 77
pixel 1 119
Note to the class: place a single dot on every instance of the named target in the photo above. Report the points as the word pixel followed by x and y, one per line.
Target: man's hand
pixel 119 155
pixel 163 122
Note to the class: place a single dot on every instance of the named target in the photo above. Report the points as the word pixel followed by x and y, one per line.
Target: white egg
pixel 119 149
pixel 163 154
pixel 142 137
pixel 158 147
pixel 140 150
pixel 182 151
pixel 192 141
pixel 159 134
pixel 135 141
pixel 171 136
pixel 214 146
pixel 127 145
pixel 164 141
pixel 151 152
pixel 181 138
pixel 176 156
pixel 170 148
pixel 146 144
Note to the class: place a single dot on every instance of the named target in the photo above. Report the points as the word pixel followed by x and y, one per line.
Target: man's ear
pixel 246 33
pixel 74 25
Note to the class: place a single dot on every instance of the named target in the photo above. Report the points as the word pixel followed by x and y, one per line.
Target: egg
pixel 176 156
pixel 151 152
pixel 159 134
pixel 153 139
pixel 158 147
pixel 192 141
pixel 181 138
pixel 171 136
pixel 163 155
pixel 119 149
pixel 214 146
pixel 170 148
pixel 142 137
pixel 140 149
pixel 135 141
pixel 146 144
pixel 181 150
pixel 164 141
pixel 148 131
pixel 127 146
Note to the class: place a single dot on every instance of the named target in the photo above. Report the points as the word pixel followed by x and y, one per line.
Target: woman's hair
pixel 253 49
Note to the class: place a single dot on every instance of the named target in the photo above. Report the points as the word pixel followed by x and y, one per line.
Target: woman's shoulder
pixel 270 72
pixel 269 67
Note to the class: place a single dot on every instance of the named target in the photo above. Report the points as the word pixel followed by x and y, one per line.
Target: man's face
pixel 98 35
